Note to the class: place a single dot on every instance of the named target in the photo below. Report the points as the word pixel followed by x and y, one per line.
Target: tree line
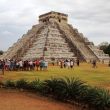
pixel 1 52
pixel 105 47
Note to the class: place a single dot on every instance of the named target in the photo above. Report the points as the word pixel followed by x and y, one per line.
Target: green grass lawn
pixel 99 76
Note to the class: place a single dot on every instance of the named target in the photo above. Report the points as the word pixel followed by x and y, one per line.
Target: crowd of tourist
pixel 28 65
pixel 68 63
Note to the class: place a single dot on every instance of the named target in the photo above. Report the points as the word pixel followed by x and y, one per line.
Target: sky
pixel 90 17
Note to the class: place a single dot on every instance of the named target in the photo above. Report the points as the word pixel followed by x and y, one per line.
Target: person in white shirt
pixel 31 65
pixel 68 64
pixel 21 65
pixel 71 63
pixel 46 65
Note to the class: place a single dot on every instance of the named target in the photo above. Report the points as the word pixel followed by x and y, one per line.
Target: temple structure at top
pixel 53 16
pixel 54 38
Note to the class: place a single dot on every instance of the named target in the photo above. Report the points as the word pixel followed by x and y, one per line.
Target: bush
pixel 22 84
pixel 75 90
pixel 36 85
pixel 65 89
pixel 50 86
pixel 98 98
pixel 1 84
pixel 9 83
pixel 70 89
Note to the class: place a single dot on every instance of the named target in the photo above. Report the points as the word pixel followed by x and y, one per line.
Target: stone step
pixel 55 46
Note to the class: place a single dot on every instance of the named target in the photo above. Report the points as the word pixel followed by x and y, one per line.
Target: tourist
pixel 31 65
pixel 37 63
pixel 68 64
pixel 11 65
pixel 109 63
pixel 77 62
pixel 103 61
pixel 57 62
pixel 2 66
pixel 46 65
pixel 61 64
pixel 94 64
pixel 21 65
pixel 14 65
pixel 41 65
pixel 7 64
pixel 25 66
pixel 34 64
pixel 65 64
pixel 53 63
pixel 17 65
pixel 71 63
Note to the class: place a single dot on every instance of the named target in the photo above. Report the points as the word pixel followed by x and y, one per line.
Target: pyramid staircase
pixel 54 42
pixel 77 41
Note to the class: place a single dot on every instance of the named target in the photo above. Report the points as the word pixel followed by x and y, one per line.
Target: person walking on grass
pixel 77 61
pixel 68 64
pixel 2 66
pixel 41 65
pixel 31 65
pixel 21 65
pixel 61 64
pixel 71 63
pixel 7 65
pixel 94 64
pixel 109 63
pixel 46 65
pixel 37 63
pixel 65 64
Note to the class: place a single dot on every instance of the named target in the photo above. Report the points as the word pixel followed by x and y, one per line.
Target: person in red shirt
pixel 37 63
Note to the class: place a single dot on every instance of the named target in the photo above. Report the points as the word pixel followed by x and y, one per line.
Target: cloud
pixel 91 17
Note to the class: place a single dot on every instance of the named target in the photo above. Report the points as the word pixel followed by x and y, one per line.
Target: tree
pixel 104 43
pixel 105 47
pixel 1 52
pixel 107 50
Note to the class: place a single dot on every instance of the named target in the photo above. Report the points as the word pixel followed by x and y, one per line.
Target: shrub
pixel 50 85
pixel 9 83
pixel 98 98
pixel 22 84
pixel 1 84
pixel 65 89
pixel 70 89
pixel 36 85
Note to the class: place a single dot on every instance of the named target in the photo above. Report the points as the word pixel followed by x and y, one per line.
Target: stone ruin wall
pixel 53 16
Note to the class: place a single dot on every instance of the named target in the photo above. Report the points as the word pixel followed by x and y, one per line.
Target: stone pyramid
pixel 54 38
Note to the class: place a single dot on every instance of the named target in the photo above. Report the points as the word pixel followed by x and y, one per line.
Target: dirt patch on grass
pixel 16 100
